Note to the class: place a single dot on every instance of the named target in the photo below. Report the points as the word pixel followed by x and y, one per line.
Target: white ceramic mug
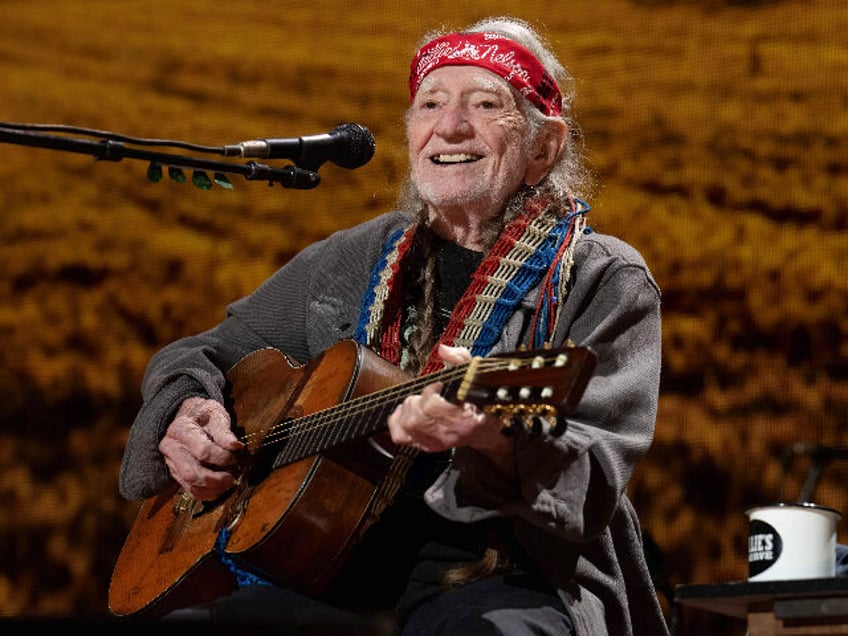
pixel 791 541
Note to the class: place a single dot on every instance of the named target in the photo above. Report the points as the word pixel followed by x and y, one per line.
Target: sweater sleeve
pixel 571 485
pixel 192 366
pixel 306 306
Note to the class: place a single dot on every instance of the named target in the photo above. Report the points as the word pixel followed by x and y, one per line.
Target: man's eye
pixel 488 104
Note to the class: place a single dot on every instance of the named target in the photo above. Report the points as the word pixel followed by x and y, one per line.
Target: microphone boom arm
pixel 112 150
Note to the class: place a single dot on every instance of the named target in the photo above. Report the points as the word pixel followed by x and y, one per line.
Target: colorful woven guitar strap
pixel 536 246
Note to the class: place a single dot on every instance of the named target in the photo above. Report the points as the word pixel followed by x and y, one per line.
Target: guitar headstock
pixel 533 389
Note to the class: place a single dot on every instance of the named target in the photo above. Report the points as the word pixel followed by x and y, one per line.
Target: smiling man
pixel 471 148
pixel 488 253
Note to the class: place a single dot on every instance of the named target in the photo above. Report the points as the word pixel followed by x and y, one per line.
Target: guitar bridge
pixel 183 504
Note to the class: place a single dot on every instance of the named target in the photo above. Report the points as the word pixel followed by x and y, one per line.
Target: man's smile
pixel 461 157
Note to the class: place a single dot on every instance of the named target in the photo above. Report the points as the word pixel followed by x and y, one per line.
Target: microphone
pixel 349 146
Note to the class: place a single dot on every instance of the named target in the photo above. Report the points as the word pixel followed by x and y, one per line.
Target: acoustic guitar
pixel 318 468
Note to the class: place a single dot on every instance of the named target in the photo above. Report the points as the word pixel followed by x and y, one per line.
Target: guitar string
pixel 309 424
pixel 306 424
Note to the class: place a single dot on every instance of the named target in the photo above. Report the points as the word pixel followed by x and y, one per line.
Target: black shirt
pixel 410 540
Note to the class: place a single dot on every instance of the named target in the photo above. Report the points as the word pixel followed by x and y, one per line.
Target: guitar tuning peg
pixel 506 415
pixel 518 419
pixel 508 428
pixel 537 424
pixel 560 426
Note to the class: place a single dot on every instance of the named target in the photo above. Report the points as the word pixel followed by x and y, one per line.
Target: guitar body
pixel 168 560
pixel 303 518
pixel 296 523
pixel 319 468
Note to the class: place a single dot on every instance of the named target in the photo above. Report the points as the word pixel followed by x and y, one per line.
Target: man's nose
pixel 453 122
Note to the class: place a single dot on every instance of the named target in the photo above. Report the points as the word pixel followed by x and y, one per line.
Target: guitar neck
pixel 305 436
pixel 533 389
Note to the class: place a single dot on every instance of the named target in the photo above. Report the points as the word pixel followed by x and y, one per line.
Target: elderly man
pixel 489 253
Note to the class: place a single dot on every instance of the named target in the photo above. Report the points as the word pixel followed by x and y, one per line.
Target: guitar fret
pixel 332 433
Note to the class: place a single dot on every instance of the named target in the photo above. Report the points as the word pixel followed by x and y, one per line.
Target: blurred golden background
pixel 719 134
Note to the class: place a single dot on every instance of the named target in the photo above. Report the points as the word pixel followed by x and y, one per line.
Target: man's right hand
pixel 200 448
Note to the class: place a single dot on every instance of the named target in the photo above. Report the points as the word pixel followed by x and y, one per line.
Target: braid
pixel 422 302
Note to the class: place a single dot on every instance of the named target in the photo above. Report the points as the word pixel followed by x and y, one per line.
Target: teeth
pixel 457 158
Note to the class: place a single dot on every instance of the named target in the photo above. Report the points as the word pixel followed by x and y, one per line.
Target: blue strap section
pixel 243 577
pixel 368 301
pixel 551 296
pixel 527 276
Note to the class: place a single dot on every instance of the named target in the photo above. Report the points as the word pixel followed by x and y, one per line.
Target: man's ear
pixel 546 150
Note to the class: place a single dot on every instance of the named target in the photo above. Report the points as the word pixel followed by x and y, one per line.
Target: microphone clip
pixel 289 177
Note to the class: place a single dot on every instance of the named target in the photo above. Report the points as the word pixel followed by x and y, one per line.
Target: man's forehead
pixel 464 77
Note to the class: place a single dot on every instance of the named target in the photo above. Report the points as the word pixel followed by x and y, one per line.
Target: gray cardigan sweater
pixel 569 507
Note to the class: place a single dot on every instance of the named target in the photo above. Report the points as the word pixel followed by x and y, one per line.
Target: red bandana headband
pixel 496 53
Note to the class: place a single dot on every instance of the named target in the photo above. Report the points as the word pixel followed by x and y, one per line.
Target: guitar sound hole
pixel 269 456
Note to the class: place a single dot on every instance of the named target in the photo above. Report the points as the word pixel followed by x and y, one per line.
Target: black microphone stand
pixel 113 150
